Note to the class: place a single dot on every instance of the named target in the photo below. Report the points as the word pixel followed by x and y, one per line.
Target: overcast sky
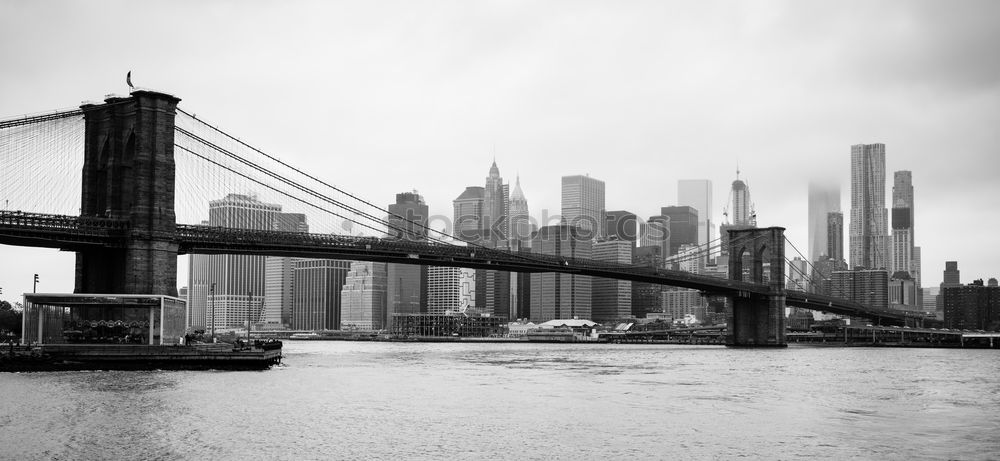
pixel 385 97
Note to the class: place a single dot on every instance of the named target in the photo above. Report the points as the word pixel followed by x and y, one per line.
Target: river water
pixel 357 400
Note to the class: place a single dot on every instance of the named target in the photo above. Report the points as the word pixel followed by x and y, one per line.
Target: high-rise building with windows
pixel 824 198
pixel 450 289
pixel 697 194
pixel 496 202
pixel 318 284
pixel 742 212
pixel 237 298
pixel 904 253
pixel 835 236
pixel 583 204
pixel 278 276
pixel 621 225
pixel 868 287
pixel 683 225
pixel 406 284
pixel 363 297
pixel 611 299
pixel 557 295
pixel 468 214
pixel 869 240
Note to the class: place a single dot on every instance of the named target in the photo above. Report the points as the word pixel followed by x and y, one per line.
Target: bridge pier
pixel 755 320
pixel 128 174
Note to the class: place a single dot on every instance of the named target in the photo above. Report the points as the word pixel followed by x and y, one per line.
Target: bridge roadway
pixel 79 233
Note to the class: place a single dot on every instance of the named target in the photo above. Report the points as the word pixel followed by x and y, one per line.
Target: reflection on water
pixel 347 400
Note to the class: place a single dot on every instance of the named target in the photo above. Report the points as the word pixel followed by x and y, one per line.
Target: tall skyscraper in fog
pixel 697 194
pixel 583 204
pixel 741 212
pixel 824 198
pixel 869 242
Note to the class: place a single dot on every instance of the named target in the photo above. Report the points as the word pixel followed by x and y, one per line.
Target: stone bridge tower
pixel 756 320
pixel 128 174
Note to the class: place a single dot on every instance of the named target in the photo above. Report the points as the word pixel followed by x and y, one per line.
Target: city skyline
pixel 705 91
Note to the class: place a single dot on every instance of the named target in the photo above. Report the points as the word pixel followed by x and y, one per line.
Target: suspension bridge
pixel 149 169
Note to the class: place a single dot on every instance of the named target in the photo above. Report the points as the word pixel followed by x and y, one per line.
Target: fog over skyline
pixel 387 97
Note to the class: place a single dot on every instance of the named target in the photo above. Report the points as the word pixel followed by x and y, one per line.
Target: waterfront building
pixel 869 244
pixel 450 289
pixel 363 300
pixel 824 198
pixel 680 302
pixel 697 194
pixel 318 285
pixel 557 295
pixel 612 299
pixel 866 286
pixel 239 280
pixel 583 204
pixel 971 307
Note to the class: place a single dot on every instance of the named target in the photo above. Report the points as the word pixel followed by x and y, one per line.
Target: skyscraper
pixel 824 198
pixel 406 284
pixel 611 299
pixel 742 213
pixel 495 205
pixel 583 204
pixel 468 214
pixel 238 296
pixel 450 289
pixel 317 294
pixel 697 193
pixel 520 221
pixel 621 225
pixel 278 275
pixel 835 236
pixel 556 295
pixel 904 257
pixel 950 278
pixel 869 218
pixel 363 297
pixel 683 224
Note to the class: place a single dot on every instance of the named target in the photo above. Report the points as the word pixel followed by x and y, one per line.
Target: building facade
pixel 824 198
pixel 611 299
pixel 363 300
pixel 869 242
pixel 972 307
pixel 583 204
pixel 317 294
pixel 868 287
pixel 557 295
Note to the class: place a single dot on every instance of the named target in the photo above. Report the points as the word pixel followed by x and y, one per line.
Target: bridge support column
pixel 756 320
pixel 128 174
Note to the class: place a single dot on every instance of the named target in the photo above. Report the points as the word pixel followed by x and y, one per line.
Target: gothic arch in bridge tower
pixel 756 320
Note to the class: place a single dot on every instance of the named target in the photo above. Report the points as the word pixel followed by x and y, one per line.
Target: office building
pixel 655 232
pixel 278 275
pixel 835 236
pixel 742 211
pixel 558 295
pixel 450 289
pixel 583 204
pixel 680 302
pixel 612 299
pixel 824 198
pixel 869 242
pixel 468 214
pixel 363 296
pixel 239 280
pixel 697 194
pixel 621 225
pixel 904 253
pixel 406 284
pixel 683 224
pixel 318 284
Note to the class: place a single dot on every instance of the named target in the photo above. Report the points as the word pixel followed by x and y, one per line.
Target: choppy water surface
pixel 346 400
